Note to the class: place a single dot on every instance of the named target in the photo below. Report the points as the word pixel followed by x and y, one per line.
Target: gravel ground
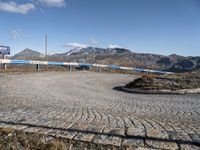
pixel 84 106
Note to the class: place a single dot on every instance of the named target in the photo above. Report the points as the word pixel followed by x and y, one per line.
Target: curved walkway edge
pixel 141 91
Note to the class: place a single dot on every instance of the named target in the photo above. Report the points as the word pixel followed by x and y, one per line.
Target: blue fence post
pixel 38 67
pixel 70 68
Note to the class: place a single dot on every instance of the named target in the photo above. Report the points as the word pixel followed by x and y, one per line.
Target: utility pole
pixel 94 55
pixel 133 61
pixel 94 58
pixel 46 55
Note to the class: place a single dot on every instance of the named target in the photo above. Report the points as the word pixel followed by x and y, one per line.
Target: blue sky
pixel 147 26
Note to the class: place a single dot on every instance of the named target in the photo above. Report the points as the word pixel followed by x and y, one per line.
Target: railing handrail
pixel 15 61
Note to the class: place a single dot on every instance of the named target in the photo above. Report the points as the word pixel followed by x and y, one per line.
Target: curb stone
pixel 141 91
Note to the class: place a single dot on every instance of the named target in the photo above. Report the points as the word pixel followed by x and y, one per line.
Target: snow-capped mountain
pixel 74 51
pixel 95 50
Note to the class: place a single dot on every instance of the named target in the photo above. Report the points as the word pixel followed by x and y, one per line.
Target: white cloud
pixel 114 46
pixel 25 8
pixel 16 8
pixel 53 3
pixel 75 45
pixel 93 41
pixel 15 33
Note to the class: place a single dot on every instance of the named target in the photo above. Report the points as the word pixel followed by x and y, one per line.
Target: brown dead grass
pixel 11 139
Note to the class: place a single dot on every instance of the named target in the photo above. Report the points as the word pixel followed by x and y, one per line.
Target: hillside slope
pixel 119 56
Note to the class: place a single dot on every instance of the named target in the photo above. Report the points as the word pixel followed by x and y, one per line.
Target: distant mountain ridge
pixel 94 50
pixel 119 56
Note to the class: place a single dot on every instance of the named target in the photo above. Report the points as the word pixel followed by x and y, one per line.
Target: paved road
pixel 84 106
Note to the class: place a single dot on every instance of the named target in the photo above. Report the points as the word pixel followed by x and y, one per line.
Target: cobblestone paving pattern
pixel 84 106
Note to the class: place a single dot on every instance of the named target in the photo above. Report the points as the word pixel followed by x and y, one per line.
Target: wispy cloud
pixel 16 8
pixel 75 45
pixel 25 8
pixel 53 3
pixel 114 46
pixel 93 41
pixel 16 33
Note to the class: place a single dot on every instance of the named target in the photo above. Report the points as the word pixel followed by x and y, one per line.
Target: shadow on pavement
pixel 144 138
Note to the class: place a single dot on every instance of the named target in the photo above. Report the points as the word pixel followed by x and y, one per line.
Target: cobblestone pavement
pixel 84 106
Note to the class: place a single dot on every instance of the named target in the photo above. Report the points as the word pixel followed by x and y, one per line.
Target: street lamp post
pixel 46 55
